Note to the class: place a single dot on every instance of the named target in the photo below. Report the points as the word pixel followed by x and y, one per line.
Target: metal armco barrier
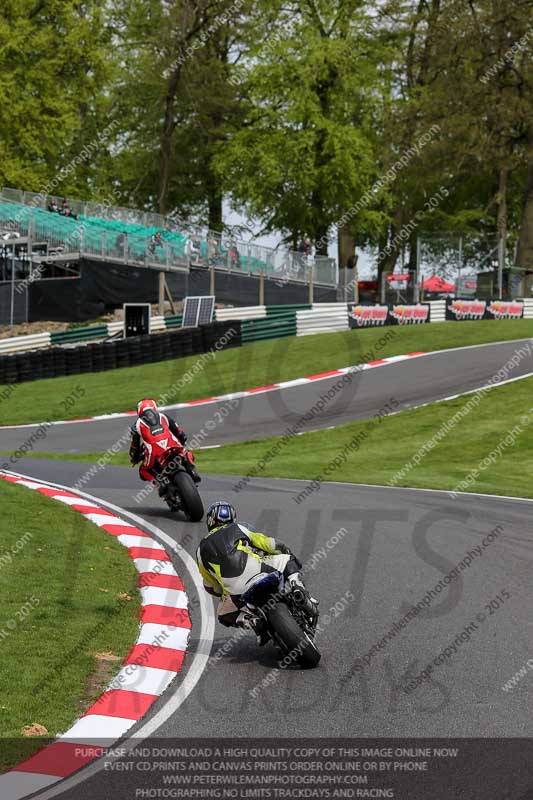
pixel 88 333
pixel 23 343
pixel 79 334
pixel 274 327
pixel 244 312
pixel 437 310
pixel 55 362
pixel 322 318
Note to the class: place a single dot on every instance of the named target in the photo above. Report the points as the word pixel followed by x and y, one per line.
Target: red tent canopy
pixel 436 284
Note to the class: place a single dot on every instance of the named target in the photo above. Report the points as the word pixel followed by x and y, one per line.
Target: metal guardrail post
pixel 418 272
pixel 161 299
pixel 311 287
pixel 355 282
pixel 262 287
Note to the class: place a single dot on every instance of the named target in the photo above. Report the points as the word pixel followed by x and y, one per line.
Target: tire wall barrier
pixel 55 362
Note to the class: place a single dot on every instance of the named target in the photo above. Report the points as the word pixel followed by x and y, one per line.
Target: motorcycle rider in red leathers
pixel 152 435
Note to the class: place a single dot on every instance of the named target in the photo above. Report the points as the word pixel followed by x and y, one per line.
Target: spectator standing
pixel 155 241
pixel 235 258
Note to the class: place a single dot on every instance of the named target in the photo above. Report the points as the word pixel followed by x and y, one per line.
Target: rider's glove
pixel 283 548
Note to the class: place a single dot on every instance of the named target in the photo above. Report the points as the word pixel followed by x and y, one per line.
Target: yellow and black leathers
pixel 230 558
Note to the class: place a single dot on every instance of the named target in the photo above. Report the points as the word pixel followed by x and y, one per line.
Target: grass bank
pixel 68 616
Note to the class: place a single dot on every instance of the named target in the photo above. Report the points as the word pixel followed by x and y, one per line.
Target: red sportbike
pixel 178 488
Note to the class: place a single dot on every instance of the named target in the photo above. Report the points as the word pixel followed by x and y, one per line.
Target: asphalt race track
pixel 409 383
pixel 375 552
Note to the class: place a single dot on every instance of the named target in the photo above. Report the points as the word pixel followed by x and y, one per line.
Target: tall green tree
pixel 53 67
pixel 175 101
pixel 307 149
pixel 468 70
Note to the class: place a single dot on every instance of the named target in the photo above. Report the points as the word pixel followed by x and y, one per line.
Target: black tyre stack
pixel 166 346
pixel 36 365
pixel 185 339
pixel 10 370
pixel 73 361
pixel 157 347
pixel 100 356
pixel 47 363
pixel 110 355
pixel 123 353
pixel 86 359
pixel 197 341
pixel 23 362
pixel 60 361
pixel 146 349
pixel 221 335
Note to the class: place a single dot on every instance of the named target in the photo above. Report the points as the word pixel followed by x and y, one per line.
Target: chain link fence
pixel 468 263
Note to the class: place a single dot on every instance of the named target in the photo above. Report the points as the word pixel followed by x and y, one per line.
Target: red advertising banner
pixel 484 309
pixel 395 314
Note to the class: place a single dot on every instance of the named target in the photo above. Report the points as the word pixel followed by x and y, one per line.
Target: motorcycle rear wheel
pixel 291 638
pixel 189 496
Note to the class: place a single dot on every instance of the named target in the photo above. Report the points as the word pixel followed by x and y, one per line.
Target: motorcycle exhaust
pixel 298 597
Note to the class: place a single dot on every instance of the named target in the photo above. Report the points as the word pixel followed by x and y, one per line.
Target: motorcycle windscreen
pixel 263 589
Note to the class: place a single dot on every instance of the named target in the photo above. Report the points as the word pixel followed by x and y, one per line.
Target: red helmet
pixel 144 405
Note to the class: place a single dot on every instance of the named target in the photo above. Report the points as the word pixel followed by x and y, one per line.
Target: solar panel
pixel 190 312
pixel 205 314
pixel 198 311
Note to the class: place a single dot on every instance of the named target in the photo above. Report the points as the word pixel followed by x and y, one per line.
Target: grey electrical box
pixel 136 319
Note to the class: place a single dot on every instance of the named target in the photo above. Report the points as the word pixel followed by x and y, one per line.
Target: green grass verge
pixel 381 447
pixel 245 367
pixel 64 613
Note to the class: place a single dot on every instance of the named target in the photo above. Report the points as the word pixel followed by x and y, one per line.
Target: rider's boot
pixel 162 489
pixel 256 624
pixel 191 467
pixel 194 475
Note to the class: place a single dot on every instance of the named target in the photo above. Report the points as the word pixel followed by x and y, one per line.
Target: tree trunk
pixel 501 219
pixel 214 202
pixel 524 256
pixel 346 247
pixel 165 148
pixel 322 239
pixel 389 259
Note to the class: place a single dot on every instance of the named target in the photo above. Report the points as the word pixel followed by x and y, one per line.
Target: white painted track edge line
pixel 448 492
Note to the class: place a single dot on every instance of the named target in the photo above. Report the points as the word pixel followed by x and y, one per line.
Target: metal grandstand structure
pixel 122 235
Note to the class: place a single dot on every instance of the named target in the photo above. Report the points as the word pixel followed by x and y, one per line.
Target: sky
pixel 231 217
